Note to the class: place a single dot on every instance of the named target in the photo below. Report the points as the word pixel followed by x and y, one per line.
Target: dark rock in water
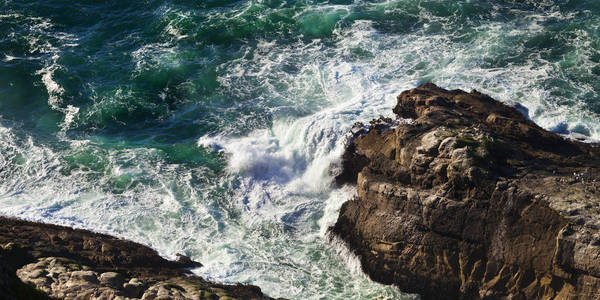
pixel 41 260
pixel 187 261
pixel 472 200
pixel 522 109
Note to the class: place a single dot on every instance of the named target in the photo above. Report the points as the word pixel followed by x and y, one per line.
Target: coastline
pixel 472 200
pixel 44 261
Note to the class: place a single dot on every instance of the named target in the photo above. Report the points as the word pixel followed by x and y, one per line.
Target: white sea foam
pixel 46 44
pixel 154 55
pixel 283 166
pixel 264 221
pixel 8 58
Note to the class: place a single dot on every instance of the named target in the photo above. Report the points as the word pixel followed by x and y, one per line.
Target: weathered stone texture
pixel 472 200
pixel 43 261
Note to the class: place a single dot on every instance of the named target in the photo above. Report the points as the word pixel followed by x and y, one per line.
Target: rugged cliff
pixel 42 261
pixel 472 200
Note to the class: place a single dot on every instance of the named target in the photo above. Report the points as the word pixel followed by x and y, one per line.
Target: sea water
pixel 209 127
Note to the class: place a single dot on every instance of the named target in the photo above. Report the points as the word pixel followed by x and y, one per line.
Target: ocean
pixel 209 127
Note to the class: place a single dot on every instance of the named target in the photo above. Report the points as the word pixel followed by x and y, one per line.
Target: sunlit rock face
pixel 43 261
pixel 472 200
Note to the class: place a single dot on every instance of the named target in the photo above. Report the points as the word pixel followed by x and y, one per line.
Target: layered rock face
pixel 42 261
pixel 471 200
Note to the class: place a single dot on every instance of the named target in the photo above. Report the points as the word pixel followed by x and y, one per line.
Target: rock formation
pixel 42 261
pixel 471 200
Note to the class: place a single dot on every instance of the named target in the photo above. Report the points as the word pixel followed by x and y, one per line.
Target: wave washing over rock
pixel 42 261
pixel 208 127
pixel 459 197
pixel 472 200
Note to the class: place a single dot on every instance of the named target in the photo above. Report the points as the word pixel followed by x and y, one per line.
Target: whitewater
pixel 212 129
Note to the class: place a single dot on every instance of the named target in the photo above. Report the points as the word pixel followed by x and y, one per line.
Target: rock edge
pixel 471 200
pixel 44 261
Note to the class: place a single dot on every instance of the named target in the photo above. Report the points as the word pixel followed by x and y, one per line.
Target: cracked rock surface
pixel 471 200
pixel 43 261
pixel 65 279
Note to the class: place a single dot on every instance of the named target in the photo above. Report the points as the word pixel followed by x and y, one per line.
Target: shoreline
pixel 472 200
pixel 40 260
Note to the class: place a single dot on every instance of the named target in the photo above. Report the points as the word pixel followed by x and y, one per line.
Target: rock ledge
pixel 43 261
pixel 471 200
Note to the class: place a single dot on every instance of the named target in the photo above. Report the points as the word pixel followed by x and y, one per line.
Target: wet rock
pixel 71 280
pixel 187 261
pixel 477 202
pixel 41 260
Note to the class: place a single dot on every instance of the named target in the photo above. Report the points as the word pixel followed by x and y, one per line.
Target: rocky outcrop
pixel 43 261
pixel 471 200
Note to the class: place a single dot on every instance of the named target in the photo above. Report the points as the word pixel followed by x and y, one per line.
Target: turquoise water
pixel 208 127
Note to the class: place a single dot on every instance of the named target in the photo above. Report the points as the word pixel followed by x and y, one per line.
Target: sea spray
pixel 207 128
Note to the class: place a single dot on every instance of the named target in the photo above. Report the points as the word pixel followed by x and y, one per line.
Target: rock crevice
pixel 471 200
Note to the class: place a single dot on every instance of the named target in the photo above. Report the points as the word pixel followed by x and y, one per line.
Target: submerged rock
pixel 472 200
pixel 39 261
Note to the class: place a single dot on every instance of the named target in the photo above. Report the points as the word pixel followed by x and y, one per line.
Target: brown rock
pixel 187 261
pixel 476 202
pixel 40 260
pixel 111 279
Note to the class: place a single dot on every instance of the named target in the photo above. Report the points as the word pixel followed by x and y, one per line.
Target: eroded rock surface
pixel 65 279
pixel 471 200
pixel 42 261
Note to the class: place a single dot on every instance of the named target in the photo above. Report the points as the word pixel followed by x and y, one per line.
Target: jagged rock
pixel 187 261
pixel 40 260
pixel 64 279
pixel 111 279
pixel 472 200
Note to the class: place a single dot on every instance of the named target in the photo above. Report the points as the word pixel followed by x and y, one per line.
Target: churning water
pixel 208 127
